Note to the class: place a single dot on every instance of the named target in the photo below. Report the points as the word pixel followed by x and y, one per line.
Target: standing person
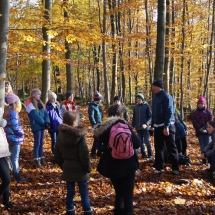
pixel 14 133
pixel 8 89
pixel 39 121
pixel 209 150
pixel 72 155
pixel 69 104
pixel 164 127
pixel 117 100
pixel 200 118
pixel 4 168
pixel 95 117
pixel 53 109
pixel 180 134
pixel 141 119
pixel 120 171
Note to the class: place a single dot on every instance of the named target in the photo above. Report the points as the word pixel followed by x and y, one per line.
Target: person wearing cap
pixel 39 121
pixel 199 119
pixel 140 121
pixel 69 104
pixel 53 109
pixel 117 100
pixel 14 133
pixel 95 117
pixel 163 123
pixel 4 167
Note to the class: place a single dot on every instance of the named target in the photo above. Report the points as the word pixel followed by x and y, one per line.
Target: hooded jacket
pixel 95 113
pixel 72 154
pixel 210 148
pixel 108 166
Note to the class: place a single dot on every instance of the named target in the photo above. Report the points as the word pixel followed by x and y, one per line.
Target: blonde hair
pixel 35 103
pixel 11 90
pixel 17 106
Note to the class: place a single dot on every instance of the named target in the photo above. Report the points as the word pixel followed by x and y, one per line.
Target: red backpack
pixel 120 141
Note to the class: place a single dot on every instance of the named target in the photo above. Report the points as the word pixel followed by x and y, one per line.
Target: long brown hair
pixel 35 103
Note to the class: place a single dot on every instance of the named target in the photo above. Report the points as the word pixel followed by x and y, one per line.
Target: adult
pixel 120 171
pixel 200 118
pixel 141 119
pixel 164 127
pixel 95 117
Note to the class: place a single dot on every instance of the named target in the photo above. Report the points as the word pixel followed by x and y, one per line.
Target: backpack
pixel 120 141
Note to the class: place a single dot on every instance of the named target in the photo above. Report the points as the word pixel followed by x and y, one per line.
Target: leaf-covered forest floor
pixel 154 193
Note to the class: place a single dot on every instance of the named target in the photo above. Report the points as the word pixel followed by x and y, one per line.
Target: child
pixel 53 109
pixel 39 121
pixel 14 132
pixel 72 155
pixel 120 171
pixel 141 120
pixel 209 150
pixel 69 104
pixel 4 168
pixel 200 118
pixel 8 89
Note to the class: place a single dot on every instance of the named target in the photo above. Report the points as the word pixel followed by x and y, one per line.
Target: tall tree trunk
pixel 46 52
pixel 68 53
pixel 160 46
pixel 4 26
pixel 96 56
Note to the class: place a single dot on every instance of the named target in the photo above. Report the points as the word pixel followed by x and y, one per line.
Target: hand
pixel 47 126
pixel 166 131
pixel 144 126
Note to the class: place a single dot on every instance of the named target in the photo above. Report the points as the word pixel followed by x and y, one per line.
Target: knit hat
pixel 158 83
pixel 97 97
pixel 68 94
pixel 1 111
pixel 140 95
pixel 12 98
pixel 202 100
pixel 35 92
pixel 51 95
pixel 116 98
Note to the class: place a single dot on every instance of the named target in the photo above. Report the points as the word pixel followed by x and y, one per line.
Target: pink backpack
pixel 120 141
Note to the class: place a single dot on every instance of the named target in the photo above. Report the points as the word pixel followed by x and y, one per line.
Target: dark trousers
pixel 53 138
pixel 5 180
pixel 124 187
pixel 159 139
pixel 144 137
pixel 211 160
pixel 96 146
pixel 182 145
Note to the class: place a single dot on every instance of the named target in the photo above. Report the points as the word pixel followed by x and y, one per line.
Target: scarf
pixel 68 103
pixel 40 106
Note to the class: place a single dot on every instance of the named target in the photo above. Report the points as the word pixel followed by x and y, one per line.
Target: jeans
pixel 96 146
pixel 38 143
pixel 5 180
pixel 83 189
pixel 182 145
pixel 124 187
pixel 159 139
pixel 204 139
pixel 53 138
pixel 144 137
pixel 15 150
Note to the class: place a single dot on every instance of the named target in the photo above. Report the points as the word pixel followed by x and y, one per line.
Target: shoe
pixel 149 158
pixel 118 211
pixel 37 163
pixel 70 212
pixel 93 156
pixel 88 213
pixel 10 206
pixel 156 171
pixel 99 154
pixel 204 161
pixel 175 172
pixel 143 155
pixel 42 161
pixel 19 177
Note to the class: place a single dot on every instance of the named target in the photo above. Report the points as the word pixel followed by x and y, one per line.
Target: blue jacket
pixel 95 113
pixel 54 115
pixel 181 128
pixel 163 109
pixel 141 115
pixel 13 129
pixel 38 119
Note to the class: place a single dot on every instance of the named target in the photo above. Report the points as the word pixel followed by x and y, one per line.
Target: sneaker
pixel 10 206
pixel 204 161
pixel 19 177
pixel 149 158
pixel 175 172
pixel 156 171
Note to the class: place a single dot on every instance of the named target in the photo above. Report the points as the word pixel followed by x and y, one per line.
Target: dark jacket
pixel 13 129
pixel 141 115
pixel 108 166
pixel 210 148
pixel 95 113
pixel 181 128
pixel 38 119
pixel 54 115
pixel 200 119
pixel 72 154
pixel 163 109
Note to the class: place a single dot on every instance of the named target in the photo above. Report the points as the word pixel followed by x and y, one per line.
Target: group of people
pixel 70 149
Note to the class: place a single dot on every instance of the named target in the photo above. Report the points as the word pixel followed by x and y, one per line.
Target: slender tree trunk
pixel 46 52
pixel 160 47
pixel 4 25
